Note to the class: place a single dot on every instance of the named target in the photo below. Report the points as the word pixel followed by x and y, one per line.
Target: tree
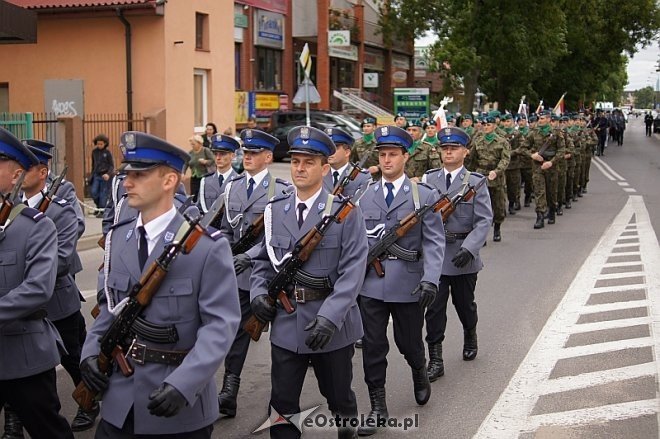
pixel 644 97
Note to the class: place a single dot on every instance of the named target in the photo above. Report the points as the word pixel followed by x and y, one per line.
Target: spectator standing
pixel 648 121
pixel 211 130
pixel 102 170
pixel 200 160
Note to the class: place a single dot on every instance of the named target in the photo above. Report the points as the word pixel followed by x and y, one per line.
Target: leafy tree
pixel 644 97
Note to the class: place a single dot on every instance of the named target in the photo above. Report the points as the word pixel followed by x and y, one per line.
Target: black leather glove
pixel 427 292
pixel 322 332
pixel 262 310
pixel 462 258
pixel 166 401
pixel 92 376
pixel 241 263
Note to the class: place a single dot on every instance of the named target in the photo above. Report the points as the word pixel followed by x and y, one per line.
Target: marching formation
pixel 380 229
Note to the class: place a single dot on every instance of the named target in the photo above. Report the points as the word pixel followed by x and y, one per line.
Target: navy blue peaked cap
pixel 393 136
pixel 340 136
pixel 221 142
pixel 257 139
pixel 453 136
pixel 13 149
pixel 310 140
pixel 143 151
pixel 41 149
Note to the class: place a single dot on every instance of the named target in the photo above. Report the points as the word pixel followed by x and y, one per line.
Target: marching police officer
pixel 365 145
pixel 466 231
pixel 339 164
pixel 326 321
pixel 409 284
pixel 213 184
pixel 28 341
pixel 245 199
pixel 172 391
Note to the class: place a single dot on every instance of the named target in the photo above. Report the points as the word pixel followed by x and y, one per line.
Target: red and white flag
pixel 559 108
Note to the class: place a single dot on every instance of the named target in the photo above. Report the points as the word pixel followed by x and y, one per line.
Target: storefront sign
pixel 374 60
pixel 266 101
pixel 411 102
pixel 399 76
pixel 350 52
pixel 269 29
pixel 339 38
pixel 370 80
pixel 240 19
pixel 400 62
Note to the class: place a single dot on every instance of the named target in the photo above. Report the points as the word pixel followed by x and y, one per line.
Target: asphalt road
pixel 526 276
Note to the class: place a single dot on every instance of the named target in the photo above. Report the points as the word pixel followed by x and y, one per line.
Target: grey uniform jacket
pixel 210 189
pixel 362 178
pixel 66 299
pixel 28 262
pixel 68 192
pixel 474 217
pixel 341 255
pixel 198 296
pixel 428 238
pixel 240 212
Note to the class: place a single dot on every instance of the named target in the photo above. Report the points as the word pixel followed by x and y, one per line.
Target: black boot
pixel 584 189
pixel 559 210
pixel 358 343
pixel 470 344
pixel 539 224
pixel 436 365
pixel 228 394
pixel 551 216
pixel 528 200
pixel 13 425
pixel 568 203
pixel 84 420
pixel 512 210
pixel 516 205
pixel 345 430
pixel 378 413
pixel 497 236
pixel 575 195
pixel 421 385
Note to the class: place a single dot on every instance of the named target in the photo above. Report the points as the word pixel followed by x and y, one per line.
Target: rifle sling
pixel 15 211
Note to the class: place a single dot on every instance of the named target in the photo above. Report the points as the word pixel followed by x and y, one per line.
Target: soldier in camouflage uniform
pixel 525 163
pixel 545 167
pixel 574 162
pixel 489 156
pixel 467 125
pixel 589 145
pixel 431 133
pixel 365 145
pixel 560 166
pixel 423 155
pixel 516 140
pixel 563 199
pixel 400 121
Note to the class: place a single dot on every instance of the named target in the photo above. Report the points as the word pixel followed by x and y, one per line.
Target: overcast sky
pixel 641 67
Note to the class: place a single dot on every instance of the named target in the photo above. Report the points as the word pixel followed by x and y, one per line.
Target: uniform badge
pixel 447 131
pixel 248 134
pixel 376 186
pixel 321 206
pixel 129 141
pixel 169 236
pixel 385 131
pixel 265 183
pixel 129 234
pixel 287 207
pixel 406 188
pixel 304 133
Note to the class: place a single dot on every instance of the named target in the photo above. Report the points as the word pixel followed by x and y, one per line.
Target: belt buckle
pixel 138 353
pixel 299 294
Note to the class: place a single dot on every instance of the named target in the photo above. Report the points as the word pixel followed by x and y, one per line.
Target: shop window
pixel 201 31
pixel 4 98
pixel 201 98
pixel 269 69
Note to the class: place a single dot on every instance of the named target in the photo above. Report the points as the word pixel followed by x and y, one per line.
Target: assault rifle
pixel 300 254
pixel 52 190
pixel 355 171
pixel 8 201
pixel 250 237
pixel 465 195
pixel 545 146
pixel 113 343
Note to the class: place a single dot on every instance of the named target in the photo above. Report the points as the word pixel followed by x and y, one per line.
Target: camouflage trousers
pixel 545 185
pixel 577 175
pixel 561 182
pixel 526 176
pixel 498 203
pixel 570 181
pixel 586 166
pixel 513 179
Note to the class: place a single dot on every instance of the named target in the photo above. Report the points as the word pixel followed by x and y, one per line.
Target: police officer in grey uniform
pixel 245 199
pixel 409 284
pixel 28 341
pixel 326 322
pixel 213 184
pixel 466 231
pixel 339 164
pixel 172 391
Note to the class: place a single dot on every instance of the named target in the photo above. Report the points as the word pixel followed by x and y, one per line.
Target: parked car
pixel 281 122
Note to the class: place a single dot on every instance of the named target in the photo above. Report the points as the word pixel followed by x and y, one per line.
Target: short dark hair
pixel 102 138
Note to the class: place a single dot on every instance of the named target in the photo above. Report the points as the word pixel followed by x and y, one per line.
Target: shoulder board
pixel 209 174
pixel 280 197
pixel 213 233
pixel 282 181
pixel 60 201
pixel 364 171
pixel 431 171
pixel 476 174
pixel 180 197
pixel 426 185
pixel 32 213
pixel 238 177
pixel 122 222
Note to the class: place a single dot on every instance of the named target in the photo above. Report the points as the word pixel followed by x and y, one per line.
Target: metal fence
pixel 44 127
pixel 112 125
pixel 20 124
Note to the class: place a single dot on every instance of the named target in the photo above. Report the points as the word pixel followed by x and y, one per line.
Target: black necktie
pixel 221 179
pixel 448 180
pixel 250 187
pixel 390 193
pixel 301 209
pixel 335 178
pixel 143 247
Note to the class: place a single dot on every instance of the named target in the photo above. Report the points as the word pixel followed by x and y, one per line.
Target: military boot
pixel 497 236
pixel 345 430
pixel 568 203
pixel 436 365
pixel 551 216
pixel 539 224
pixel 13 425
pixel 470 344
pixel 516 205
pixel 575 195
pixel 421 385
pixel 378 414
pixel 559 210
pixel 512 210
pixel 528 200
pixel 84 420
pixel 228 394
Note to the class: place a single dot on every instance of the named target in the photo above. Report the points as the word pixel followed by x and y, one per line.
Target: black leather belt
pixel 303 294
pixel 453 237
pixel 141 354
pixel 39 314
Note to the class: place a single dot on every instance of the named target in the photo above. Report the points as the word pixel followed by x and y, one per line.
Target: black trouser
pixel 35 400
pixel 194 187
pixel 105 430
pixel 602 137
pixel 239 348
pixel 461 288
pixel 69 329
pixel 408 321
pixel 649 129
pixel 334 373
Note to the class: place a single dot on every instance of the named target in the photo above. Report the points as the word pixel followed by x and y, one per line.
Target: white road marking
pixel 609 168
pixel 615 306
pixel 620 264
pixel 629 190
pixel 610 346
pixel 603 171
pixel 511 414
pixel 626 275
pixel 622 183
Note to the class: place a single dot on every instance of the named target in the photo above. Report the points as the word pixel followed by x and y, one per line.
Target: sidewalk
pixel 92 233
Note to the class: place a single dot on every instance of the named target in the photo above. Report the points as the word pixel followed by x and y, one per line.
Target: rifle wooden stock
pixel 5 211
pixel 248 240
pixel 255 327
pixel 101 242
pixel 95 311
pixel 339 190
pixel 193 239
pixel 43 206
